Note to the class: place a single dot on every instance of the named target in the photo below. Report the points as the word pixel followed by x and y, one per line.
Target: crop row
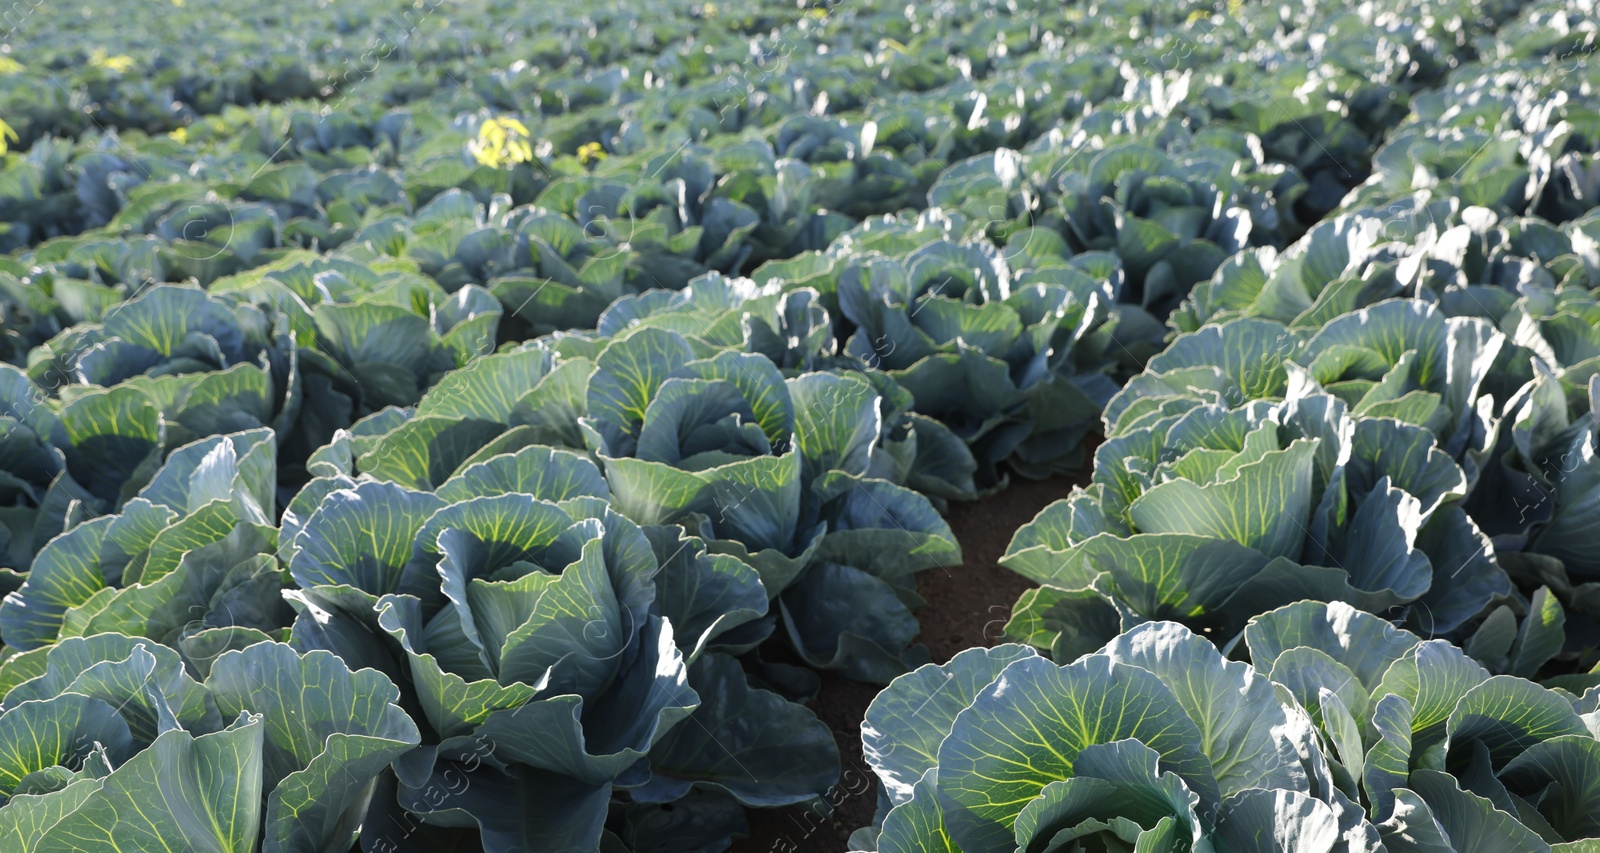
pixel 1326 589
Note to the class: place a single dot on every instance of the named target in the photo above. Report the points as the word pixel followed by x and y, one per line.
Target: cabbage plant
pixel 792 475
pixel 1443 755
pixel 189 559
pixel 113 744
pixel 1013 361
pixel 1152 742
pixel 207 366
pixel 90 455
pixel 1211 515
pixel 557 651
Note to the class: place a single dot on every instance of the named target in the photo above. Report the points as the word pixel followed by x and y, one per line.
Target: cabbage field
pixel 502 426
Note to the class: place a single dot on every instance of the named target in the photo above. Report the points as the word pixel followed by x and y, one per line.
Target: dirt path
pixel 967 606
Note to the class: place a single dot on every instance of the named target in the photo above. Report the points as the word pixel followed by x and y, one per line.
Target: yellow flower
pixel 502 142
pixel 7 136
pixel 114 64
pixel 181 135
pixel 591 152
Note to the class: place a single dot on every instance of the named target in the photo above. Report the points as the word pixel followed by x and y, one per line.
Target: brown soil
pixel 968 605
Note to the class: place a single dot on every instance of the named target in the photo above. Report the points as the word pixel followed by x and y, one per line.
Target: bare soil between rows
pixel 968 605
